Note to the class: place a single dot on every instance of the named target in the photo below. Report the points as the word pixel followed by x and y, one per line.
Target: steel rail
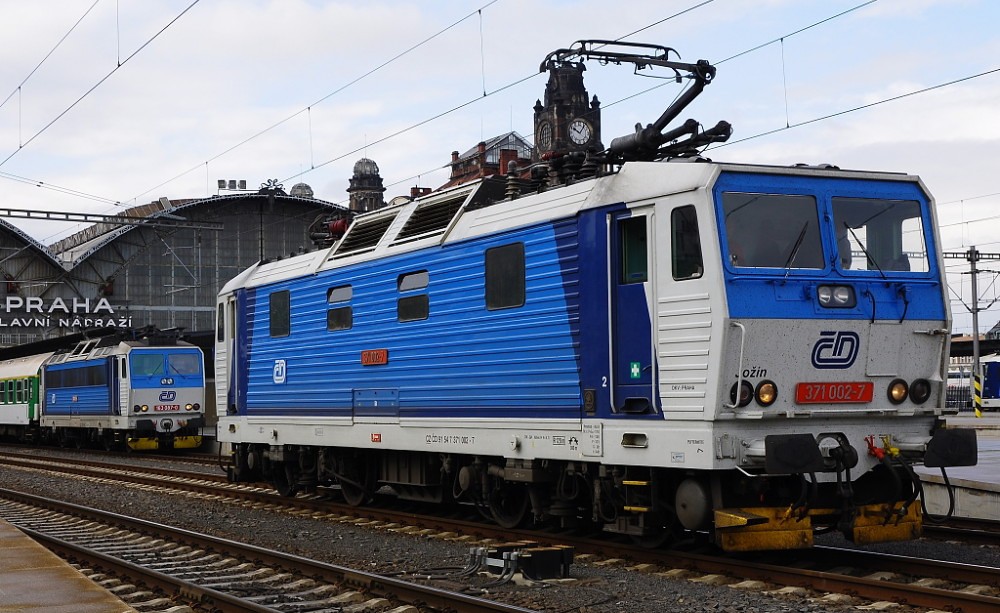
pixel 388 587
pixel 875 589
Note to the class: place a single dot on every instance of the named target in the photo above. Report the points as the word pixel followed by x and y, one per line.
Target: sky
pixel 112 103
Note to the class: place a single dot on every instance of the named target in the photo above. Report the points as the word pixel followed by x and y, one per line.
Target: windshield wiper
pixel 871 260
pixel 796 247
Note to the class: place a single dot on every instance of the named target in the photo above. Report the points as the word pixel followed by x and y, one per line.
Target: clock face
pixel 544 136
pixel 580 132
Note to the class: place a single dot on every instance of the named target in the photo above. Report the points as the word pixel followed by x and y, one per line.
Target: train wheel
pixel 509 505
pixel 355 496
pixel 357 481
pixel 282 477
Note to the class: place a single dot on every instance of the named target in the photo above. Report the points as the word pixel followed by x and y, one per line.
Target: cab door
pixel 633 363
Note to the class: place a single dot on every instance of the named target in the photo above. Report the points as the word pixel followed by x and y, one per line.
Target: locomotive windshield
pixel 183 364
pixel 755 240
pixel 146 364
pixel 783 231
pixel 879 235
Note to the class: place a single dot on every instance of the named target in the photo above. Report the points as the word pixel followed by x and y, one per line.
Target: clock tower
pixel 567 121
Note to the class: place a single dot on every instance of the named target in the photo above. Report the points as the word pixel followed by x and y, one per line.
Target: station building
pixel 163 268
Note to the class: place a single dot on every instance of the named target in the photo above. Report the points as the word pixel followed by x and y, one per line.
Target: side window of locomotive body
pixel 505 277
pixel 772 231
pixel 339 315
pixel 280 314
pixel 875 234
pixel 220 324
pixel 685 244
pixel 412 306
pixel 634 253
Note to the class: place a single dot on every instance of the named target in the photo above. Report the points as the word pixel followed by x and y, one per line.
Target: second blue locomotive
pixel 108 392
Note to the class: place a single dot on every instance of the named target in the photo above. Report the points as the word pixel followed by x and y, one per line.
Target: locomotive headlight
pixel 766 393
pixel 136 408
pixel 920 391
pixel 197 407
pixel 144 408
pixel 746 394
pixel 188 407
pixel 836 296
pixel 898 391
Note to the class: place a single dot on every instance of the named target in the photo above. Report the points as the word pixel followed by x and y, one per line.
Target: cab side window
pixel 685 244
pixel 634 264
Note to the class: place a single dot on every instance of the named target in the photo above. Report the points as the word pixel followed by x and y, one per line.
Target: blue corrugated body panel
pixel 774 293
pixel 78 397
pixel 90 400
pixel 463 360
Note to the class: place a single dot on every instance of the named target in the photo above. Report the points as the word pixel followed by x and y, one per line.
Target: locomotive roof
pixel 484 210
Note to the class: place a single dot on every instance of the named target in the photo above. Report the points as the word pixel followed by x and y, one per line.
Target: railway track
pixel 220 574
pixel 873 576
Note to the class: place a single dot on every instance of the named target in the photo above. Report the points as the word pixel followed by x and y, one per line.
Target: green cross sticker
pixel 635 369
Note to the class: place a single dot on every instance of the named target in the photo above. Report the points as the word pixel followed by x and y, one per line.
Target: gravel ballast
pixel 594 587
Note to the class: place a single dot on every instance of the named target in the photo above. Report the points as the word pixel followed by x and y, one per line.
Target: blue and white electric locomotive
pixel 109 392
pixel 757 352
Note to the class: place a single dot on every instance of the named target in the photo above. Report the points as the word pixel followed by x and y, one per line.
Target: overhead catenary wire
pixel 24 81
pixel 453 109
pixel 333 93
pixel 529 77
pixel 98 84
pixel 636 31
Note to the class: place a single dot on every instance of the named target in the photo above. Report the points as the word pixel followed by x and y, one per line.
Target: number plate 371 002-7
pixel 834 392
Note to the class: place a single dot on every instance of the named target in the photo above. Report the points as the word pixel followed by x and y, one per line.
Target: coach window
pixel 505 277
pixel 413 307
pixel 19 396
pixel 339 316
pixel 280 314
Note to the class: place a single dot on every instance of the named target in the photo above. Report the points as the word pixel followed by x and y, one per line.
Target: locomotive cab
pixel 832 371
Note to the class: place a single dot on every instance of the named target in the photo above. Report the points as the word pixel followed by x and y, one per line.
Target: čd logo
pixel 836 349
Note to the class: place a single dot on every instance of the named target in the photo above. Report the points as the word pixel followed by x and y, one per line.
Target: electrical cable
pixel 391 60
pixel 47 55
pixel 96 85
pixel 512 85
pixel 322 99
